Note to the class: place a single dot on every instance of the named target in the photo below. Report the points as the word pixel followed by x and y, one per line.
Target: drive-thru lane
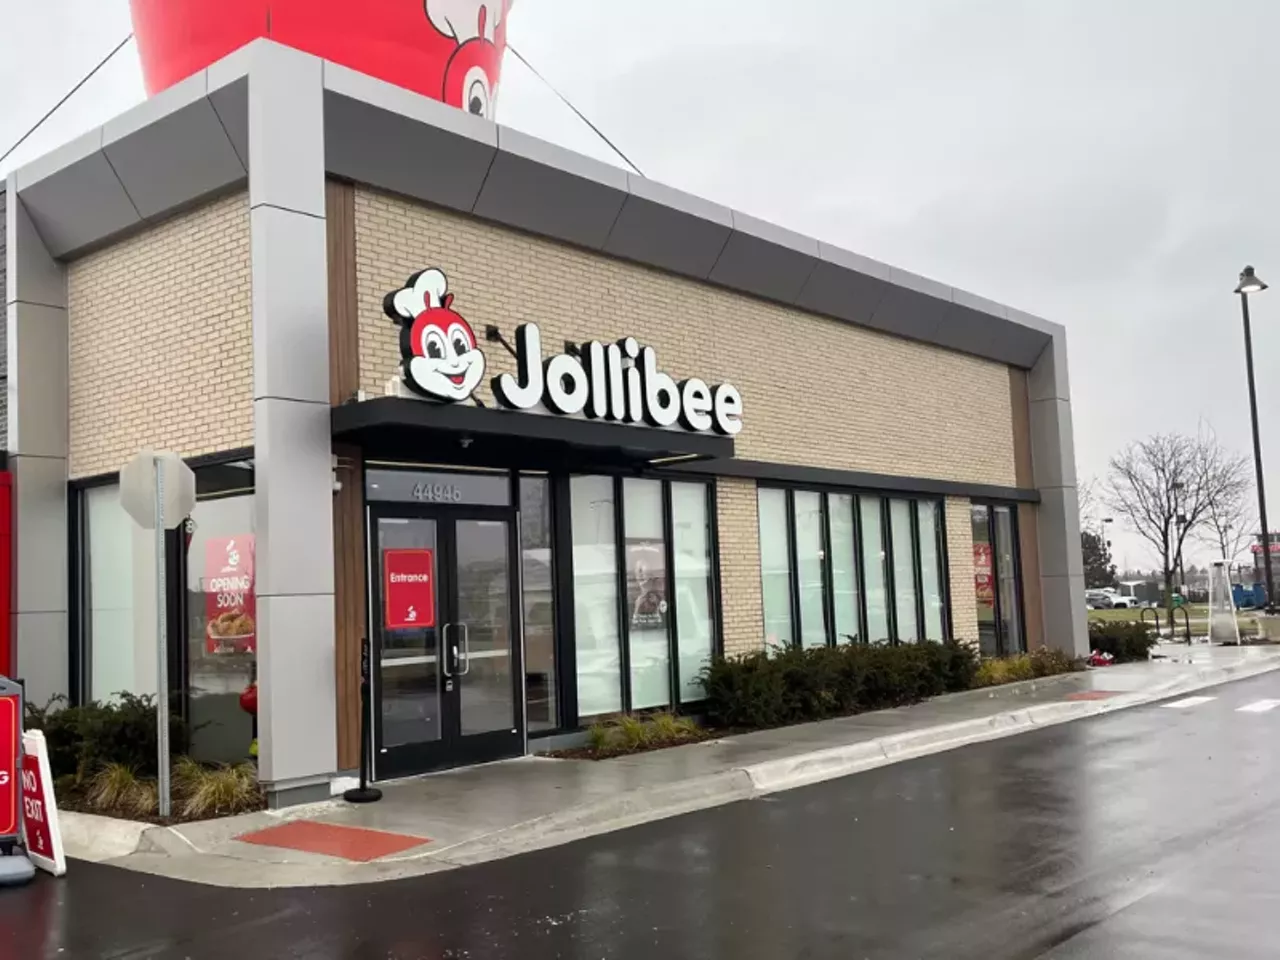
pixel 1145 833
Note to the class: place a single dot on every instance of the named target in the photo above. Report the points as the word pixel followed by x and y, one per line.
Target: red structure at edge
pixel 7 658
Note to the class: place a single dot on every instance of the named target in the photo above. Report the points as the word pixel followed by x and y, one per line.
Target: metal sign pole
pixel 162 650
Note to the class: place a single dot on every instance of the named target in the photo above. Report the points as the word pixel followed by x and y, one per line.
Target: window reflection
pixel 904 571
pixel 595 596
pixel 647 609
pixel 931 572
pixel 695 599
pixel 810 568
pixel 775 565
pixel 876 569
pixel 844 567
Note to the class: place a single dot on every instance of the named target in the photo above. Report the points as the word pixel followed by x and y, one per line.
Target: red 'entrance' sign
pixel 10 746
pixel 408 589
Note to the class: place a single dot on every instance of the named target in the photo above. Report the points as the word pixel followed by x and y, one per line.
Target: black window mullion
pixel 624 618
pixel 995 579
pixel 80 665
pixel 562 607
pixel 918 564
pixel 713 543
pixel 793 568
pixel 1018 597
pixel 944 572
pixel 828 577
pixel 886 544
pixel 668 536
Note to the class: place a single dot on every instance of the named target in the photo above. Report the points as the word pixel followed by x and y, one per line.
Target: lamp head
pixel 1250 282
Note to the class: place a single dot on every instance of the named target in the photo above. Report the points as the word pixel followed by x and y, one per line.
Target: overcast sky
pixel 1108 165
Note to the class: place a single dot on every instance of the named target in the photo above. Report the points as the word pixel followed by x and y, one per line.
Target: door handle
pixel 444 649
pixel 466 649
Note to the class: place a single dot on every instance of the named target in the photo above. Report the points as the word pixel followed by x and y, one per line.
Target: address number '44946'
pixel 437 492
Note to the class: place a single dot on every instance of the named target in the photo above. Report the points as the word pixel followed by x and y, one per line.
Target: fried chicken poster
pixel 229 604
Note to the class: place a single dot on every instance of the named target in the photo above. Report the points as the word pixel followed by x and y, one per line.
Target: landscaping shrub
pixel 1042 662
pixel 202 792
pixel 83 740
pixel 116 790
pixel 632 733
pixel 793 685
pixel 1126 642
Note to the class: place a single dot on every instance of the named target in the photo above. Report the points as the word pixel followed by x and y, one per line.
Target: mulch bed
pixel 608 753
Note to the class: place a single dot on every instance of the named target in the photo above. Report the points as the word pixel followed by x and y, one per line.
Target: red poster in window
pixel 230 608
pixel 408 589
pixel 983 574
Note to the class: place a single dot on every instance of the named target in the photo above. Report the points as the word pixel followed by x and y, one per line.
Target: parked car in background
pixel 1098 600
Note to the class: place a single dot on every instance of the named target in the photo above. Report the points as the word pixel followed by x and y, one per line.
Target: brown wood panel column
pixel 348 503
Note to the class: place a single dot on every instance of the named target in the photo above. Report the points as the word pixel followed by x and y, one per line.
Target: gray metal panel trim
pixel 536 186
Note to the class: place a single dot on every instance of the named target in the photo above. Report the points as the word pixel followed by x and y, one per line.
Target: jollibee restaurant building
pixel 549 434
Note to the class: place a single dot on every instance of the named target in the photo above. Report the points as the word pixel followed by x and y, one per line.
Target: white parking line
pixel 1259 706
pixel 1186 702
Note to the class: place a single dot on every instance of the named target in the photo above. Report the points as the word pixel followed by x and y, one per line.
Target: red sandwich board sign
pixel 10 751
pixel 43 840
pixel 408 589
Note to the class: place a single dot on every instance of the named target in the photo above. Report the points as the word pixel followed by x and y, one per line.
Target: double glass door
pixel 446 687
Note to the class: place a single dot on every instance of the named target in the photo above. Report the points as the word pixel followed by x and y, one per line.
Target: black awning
pixel 399 428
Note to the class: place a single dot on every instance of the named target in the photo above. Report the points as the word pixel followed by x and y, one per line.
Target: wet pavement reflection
pixel 1146 833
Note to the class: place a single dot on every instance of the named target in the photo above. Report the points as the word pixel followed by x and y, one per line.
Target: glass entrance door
pixel 446 657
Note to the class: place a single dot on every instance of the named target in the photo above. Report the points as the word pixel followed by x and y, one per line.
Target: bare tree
pixel 1166 486
pixel 1229 526
pixel 1087 492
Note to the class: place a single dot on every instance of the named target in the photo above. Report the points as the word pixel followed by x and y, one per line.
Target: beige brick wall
pixel 964 603
pixel 740 598
pixel 161 351
pixel 872 402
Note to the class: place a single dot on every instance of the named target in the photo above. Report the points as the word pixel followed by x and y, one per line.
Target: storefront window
pixel 539 603
pixel 876 569
pixel 222 627
pixel 844 567
pixel 775 565
pixel 663 587
pixel 121 654
pixel 695 586
pixel 647 607
pixel 810 567
pixel 595 596
pixel 984 580
pixel 1007 578
pixel 832 565
pixel 904 570
pixel 931 572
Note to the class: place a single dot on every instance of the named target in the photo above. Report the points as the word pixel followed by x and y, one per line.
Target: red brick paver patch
pixel 335 840
pixel 1092 695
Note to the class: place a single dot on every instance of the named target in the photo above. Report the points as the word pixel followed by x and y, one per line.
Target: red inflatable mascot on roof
pixel 449 50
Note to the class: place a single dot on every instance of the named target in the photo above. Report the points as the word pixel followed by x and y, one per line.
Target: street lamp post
pixel 1250 283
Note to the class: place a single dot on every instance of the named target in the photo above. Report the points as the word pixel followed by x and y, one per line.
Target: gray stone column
pixel 293 509
pixel 36 328
pixel 1053 461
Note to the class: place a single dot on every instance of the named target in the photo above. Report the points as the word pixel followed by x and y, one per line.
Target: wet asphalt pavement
pixel 1151 833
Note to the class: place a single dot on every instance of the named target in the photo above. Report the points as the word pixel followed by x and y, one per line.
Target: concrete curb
pixel 177 851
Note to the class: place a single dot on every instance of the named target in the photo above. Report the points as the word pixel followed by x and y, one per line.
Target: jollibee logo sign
pixel 441 360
